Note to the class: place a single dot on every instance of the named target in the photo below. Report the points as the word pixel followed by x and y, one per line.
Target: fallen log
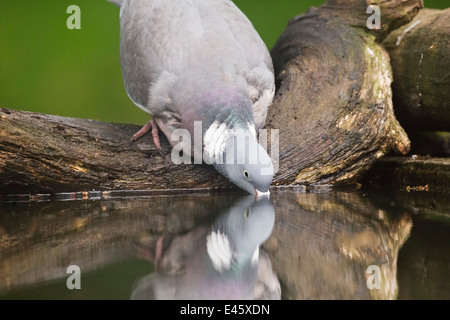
pixel 42 153
pixel 413 174
pixel 334 98
pixel 420 58
pixel 333 108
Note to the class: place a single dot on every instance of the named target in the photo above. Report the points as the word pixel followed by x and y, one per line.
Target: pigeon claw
pixel 153 127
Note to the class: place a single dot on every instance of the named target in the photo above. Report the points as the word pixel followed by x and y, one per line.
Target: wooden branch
pixel 394 13
pixel 333 108
pixel 44 154
pixel 420 57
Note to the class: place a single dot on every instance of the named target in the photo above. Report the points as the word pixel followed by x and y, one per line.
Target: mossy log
pixel 420 58
pixel 333 108
pixel 42 153
pixel 334 98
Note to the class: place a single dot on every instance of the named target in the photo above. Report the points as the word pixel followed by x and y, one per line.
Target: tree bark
pixel 333 108
pixel 420 58
pixel 411 174
pixel 394 14
pixel 44 154
pixel 334 98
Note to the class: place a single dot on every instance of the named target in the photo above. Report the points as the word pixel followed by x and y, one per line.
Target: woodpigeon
pixel 218 261
pixel 201 64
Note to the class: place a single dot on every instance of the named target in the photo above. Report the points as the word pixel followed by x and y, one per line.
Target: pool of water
pixel 297 244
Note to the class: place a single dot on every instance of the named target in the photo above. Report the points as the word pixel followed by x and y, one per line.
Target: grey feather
pixel 165 45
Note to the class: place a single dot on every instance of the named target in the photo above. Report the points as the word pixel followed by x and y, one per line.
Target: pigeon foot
pixel 151 125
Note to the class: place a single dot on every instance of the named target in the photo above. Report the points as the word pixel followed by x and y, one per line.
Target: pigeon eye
pixel 246 174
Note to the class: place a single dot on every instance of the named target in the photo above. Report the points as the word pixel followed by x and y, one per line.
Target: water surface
pixel 319 244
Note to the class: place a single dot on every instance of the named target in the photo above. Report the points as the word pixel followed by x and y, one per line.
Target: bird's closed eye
pixel 246 174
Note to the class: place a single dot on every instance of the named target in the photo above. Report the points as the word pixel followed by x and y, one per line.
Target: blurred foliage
pixel 45 67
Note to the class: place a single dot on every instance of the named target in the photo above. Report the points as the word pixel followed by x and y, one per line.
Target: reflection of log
pixel 39 247
pixel 333 109
pixel 322 245
pixel 424 260
pixel 420 58
pixel 424 267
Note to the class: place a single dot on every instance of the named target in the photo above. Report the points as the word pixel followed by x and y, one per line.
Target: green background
pixel 45 67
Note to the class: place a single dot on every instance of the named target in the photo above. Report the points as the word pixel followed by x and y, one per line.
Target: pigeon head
pixel 229 133
pixel 236 235
pixel 249 222
pixel 246 163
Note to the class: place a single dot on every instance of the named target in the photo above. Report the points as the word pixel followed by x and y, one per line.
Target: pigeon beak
pixel 260 194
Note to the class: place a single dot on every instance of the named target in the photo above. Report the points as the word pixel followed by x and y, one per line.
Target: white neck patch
pixel 219 251
pixel 255 256
pixel 215 138
pixel 214 141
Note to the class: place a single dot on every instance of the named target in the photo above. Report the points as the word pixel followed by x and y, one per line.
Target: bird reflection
pixel 219 261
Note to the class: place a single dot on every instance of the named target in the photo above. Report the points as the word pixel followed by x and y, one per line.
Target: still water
pixel 297 244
